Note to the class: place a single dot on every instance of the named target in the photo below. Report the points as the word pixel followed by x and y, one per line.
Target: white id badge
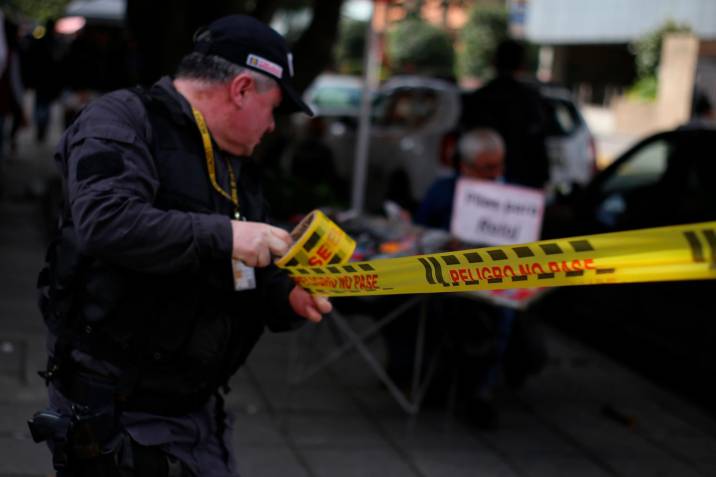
pixel 244 276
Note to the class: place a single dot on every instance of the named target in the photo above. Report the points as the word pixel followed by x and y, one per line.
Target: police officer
pixel 160 280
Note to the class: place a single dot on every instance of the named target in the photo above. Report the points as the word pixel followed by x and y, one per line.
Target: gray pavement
pixel 342 422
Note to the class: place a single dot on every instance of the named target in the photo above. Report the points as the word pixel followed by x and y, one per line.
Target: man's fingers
pixel 253 242
pixel 306 305
pixel 312 314
pixel 263 257
pixel 317 308
pixel 323 304
pixel 282 235
pixel 277 246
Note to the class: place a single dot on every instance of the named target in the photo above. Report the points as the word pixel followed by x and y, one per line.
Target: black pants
pixel 148 462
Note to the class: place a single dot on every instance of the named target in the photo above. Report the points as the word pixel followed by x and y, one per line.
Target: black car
pixel 665 330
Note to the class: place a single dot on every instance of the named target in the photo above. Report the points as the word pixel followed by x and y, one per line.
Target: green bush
pixel 647 52
pixel 416 47
pixel 351 47
pixel 39 10
pixel 644 89
pixel 486 27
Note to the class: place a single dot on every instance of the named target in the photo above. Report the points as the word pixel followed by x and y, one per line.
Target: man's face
pixel 259 108
pixel 250 117
pixel 487 166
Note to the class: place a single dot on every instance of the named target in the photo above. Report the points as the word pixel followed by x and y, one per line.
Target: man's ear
pixel 239 87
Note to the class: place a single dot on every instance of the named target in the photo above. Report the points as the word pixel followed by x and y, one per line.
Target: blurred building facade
pixel 585 45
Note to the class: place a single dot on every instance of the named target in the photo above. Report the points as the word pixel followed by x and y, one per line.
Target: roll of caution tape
pixel 318 241
pixel 685 252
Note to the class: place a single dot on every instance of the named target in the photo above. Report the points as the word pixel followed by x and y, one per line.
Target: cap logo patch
pixel 265 65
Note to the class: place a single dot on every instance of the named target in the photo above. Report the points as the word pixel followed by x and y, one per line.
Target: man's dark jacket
pixel 517 112
pixel 140 275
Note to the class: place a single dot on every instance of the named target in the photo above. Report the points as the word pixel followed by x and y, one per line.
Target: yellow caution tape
pixel 318 262
pixel 318 241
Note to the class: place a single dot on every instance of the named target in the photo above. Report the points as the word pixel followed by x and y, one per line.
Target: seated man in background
pixel 481 156
pixel 478 334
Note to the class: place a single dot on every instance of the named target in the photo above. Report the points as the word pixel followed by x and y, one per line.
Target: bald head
pixel 482 154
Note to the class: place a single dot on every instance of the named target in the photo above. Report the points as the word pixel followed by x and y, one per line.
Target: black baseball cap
pixel 247 42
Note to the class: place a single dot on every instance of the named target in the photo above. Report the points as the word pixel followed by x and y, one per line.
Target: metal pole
pixel 371 72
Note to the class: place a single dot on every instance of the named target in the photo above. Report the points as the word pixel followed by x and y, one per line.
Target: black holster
pixel 82 436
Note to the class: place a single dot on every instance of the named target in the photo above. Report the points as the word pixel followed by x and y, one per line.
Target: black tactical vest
pixel 179 336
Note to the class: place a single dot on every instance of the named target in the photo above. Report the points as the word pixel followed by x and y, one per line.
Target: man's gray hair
pixel 478 141
pixel 215 69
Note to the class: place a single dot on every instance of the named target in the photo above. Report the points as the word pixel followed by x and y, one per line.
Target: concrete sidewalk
pixel 342 422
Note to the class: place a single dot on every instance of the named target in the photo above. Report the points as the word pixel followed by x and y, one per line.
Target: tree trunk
pixel 163 30
pixel 314 49
pixel 265 9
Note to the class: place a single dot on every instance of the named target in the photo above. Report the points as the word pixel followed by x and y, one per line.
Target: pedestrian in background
pixel 44 76
pixel 11 90
pixel 703 114
pixel 514 109
pixel 160 281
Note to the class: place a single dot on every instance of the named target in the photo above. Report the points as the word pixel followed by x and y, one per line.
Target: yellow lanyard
pixel 211 164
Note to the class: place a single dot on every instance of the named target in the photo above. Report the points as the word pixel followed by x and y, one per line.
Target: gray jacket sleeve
pixel 112 183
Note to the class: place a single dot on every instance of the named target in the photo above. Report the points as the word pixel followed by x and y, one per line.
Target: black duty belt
pixel 94 390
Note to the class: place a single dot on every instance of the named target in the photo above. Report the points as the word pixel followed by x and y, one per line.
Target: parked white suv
pixel 412 129
pixel 410 118
pixel 570 144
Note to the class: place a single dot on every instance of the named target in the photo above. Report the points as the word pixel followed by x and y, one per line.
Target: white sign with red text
pixel 491 213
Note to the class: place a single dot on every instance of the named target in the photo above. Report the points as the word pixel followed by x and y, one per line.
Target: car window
pixel 562 117
pixel 405 107
pixel 336 97
pixel 627 200
pixel 644 167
